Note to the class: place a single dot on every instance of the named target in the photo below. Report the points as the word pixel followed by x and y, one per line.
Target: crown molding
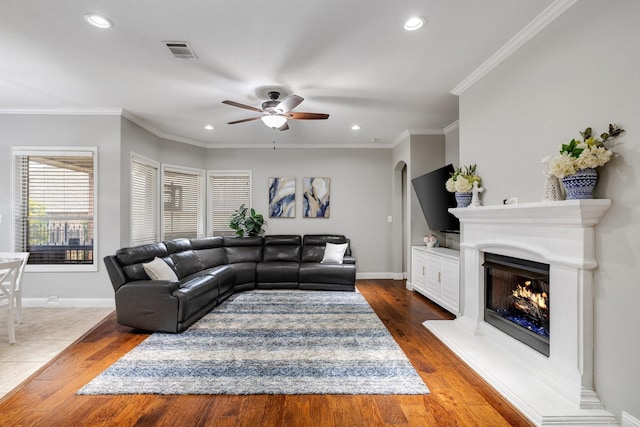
pixel 64 111
pixel 453 126
pixel 547 16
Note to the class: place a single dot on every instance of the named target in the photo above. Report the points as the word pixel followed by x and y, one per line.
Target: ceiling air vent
pixel 181 50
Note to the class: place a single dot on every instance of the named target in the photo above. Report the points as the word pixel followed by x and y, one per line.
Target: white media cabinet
pixel 435 274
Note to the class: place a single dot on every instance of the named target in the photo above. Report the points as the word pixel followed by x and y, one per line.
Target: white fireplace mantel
pixel 554 390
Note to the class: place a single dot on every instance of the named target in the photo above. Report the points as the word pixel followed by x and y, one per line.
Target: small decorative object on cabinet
pixel 577 161
pixel 435 274
pixel 461 183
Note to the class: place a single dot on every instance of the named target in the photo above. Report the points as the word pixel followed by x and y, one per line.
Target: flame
pixel 538 299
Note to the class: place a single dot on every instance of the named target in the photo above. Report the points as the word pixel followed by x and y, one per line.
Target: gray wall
pixel 67 130
pixel 580 71
pixel 427 154
pixel 139 141
pixel 360 195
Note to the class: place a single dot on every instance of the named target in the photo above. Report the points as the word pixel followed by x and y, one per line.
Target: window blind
pixel 145 206
pixel 227 190
pixel 182 203
pixel 54 206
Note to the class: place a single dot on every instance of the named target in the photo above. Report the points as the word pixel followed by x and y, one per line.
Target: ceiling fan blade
pixel 243 120
pixel 285 126
pixel 289 103
pixel 246 107
pixel 307 116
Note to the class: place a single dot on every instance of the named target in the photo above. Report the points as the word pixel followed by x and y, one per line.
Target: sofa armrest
pixel 148 305
pixel 347 259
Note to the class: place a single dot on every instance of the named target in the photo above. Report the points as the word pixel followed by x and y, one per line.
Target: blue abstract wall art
pixel 316 195
pixel 282 197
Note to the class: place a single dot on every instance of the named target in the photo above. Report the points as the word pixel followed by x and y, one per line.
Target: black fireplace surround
pixel 517 299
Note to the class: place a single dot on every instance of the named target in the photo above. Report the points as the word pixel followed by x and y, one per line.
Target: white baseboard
pixel 388 275
pixel 69 302
pixel 628 421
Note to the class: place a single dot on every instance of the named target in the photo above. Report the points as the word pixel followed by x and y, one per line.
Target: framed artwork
pixel 282 197
pixel 315 197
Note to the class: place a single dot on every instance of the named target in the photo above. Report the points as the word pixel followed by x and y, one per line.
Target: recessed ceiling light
pixel 414 23
pixel 355 127
pixel 97 20
pixel 208 127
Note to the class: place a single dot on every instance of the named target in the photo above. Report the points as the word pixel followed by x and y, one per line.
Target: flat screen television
pixel 435 200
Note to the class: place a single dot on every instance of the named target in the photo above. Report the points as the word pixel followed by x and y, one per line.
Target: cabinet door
pixel 433 277
pixel 418 270
pixel 449 282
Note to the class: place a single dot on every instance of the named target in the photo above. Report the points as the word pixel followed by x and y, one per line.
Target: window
pixel 182 203
pixel 54 207
pixel 145 205
pixel 227 190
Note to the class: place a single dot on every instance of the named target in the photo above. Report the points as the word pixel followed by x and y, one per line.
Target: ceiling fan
pixel 277 112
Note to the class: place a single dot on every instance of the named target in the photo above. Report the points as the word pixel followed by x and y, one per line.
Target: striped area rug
pixel 270 342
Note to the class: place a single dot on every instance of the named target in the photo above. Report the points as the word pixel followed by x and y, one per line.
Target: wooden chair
pixel 9 271
pixel 24 256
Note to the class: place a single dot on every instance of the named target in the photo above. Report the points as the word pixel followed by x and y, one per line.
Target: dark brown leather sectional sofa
pixel 211 269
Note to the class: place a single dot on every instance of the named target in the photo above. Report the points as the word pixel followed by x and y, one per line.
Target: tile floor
pixel 43 333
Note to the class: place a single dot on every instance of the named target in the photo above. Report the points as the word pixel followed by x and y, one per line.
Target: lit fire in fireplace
pixel 539 299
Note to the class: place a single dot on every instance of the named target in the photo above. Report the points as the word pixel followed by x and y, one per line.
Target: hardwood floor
pixel 458 396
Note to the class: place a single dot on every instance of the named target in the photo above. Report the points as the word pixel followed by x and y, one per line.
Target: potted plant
pixel 461 183
pixel 577 161
pixel 244 225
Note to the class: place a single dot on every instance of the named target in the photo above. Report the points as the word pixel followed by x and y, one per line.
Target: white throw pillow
pixel 334 253
pixel 159 270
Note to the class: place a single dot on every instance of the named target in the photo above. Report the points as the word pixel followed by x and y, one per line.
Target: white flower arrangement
pixel 589 153
pixel 462 179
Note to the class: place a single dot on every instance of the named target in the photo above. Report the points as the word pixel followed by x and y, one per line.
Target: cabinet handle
pixel 439 277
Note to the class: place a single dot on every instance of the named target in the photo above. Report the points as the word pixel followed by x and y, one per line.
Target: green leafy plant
pixel 591 152
pixel 246 225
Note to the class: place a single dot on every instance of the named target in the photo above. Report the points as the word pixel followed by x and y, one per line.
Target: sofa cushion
pixel 177 245
pixel 277 272
pixel 313 246
pixel 195 294
pixel 159 270
pixel 282 248
pixel 143 253
pixel 212 257
pixel 340 274
pixel 187 262
pixel 243 249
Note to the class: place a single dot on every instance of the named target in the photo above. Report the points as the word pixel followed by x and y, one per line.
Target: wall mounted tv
pixel 435 200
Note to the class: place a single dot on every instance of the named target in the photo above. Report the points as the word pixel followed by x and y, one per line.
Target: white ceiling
pixel 351 59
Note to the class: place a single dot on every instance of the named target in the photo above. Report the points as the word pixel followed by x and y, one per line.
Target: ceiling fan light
pixel 274 121
pixel 414 23
pixel 97 20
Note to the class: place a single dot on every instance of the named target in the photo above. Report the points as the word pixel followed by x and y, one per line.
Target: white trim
pixel 534 27
pixel 64 111
pixel 56 151
pixel 453 126
pixel 70 302
pixel 626 420
pixel 382 275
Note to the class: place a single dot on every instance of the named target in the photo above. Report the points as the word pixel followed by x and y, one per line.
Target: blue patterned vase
pixel 463 199
pixel 580 185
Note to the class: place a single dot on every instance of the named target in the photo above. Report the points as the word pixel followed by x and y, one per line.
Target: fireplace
pixel 559 239
pixel 517 299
